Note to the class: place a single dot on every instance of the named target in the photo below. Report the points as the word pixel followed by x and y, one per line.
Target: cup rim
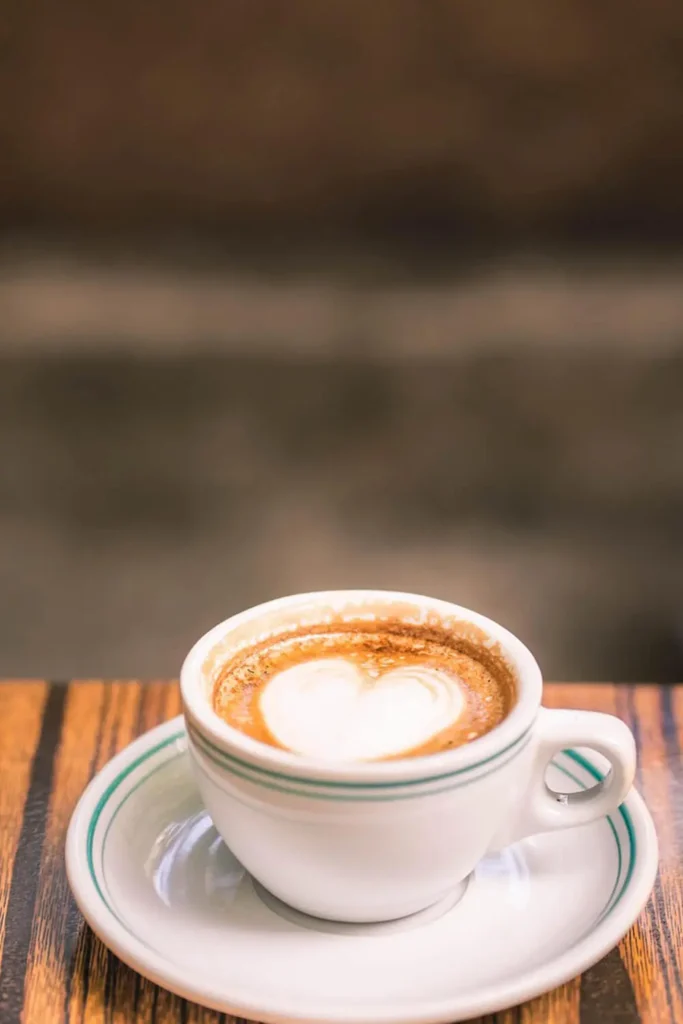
pixel 200 715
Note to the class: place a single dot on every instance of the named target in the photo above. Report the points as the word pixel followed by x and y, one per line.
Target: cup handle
pixel 546 810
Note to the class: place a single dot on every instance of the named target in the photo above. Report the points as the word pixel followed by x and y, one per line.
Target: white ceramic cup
pixel 375 841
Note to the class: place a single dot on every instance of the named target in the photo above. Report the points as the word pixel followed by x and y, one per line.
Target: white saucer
pixel 161 889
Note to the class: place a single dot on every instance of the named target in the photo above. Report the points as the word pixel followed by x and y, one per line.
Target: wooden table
pixel 53 738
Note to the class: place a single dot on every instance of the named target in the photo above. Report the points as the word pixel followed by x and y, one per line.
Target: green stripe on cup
pixel 224 759
pixel 354 792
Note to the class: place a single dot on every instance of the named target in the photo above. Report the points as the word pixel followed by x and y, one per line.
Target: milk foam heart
pixel 331 709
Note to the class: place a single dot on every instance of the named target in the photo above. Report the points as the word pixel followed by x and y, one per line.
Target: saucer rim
pixel 607 931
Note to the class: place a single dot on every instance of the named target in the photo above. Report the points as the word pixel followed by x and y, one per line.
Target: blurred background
pixel 317 295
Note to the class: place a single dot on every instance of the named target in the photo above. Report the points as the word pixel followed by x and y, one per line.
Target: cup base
pixel 321 924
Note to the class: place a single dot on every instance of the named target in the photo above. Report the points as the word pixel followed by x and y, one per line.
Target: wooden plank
pixel 90 996
pixel 652 950
pixel 21 714
pixel 95 716
pixel 24 880
pixel 99 719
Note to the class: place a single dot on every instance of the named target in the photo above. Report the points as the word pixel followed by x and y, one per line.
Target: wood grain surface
pixel 55 737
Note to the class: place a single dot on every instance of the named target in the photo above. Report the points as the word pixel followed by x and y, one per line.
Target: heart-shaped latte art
pixel 331 709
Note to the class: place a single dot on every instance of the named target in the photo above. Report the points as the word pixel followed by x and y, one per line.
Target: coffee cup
pixel 379 840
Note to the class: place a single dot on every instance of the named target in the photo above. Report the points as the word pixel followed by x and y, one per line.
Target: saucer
pixel 161 889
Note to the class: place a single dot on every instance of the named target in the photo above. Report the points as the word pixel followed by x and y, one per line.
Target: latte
pixel 365 689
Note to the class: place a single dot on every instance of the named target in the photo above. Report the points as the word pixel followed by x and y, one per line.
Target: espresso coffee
pixel 365 689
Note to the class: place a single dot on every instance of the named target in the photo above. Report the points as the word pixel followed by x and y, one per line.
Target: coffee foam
pixel 333 709
pixel 373 635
